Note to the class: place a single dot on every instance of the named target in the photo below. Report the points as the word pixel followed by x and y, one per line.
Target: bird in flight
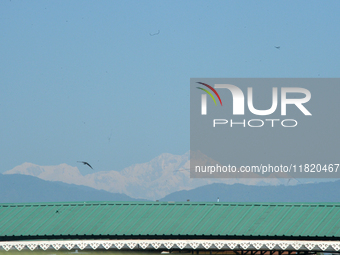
pixel 277 47
pixel 155 33
pixel 85 163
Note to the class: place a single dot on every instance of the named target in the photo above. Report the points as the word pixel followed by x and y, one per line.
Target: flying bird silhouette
pixel 155 33
pixel 85 163
pixel 288 181
pixel 277 47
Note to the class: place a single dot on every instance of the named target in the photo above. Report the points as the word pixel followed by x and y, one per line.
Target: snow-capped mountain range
pixel 152 180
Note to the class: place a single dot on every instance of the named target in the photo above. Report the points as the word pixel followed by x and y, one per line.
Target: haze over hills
pixel 312 192
pixel 163 178
pixel 18 188
pixel 152 180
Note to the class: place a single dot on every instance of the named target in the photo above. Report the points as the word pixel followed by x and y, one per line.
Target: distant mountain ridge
pixel 152 180
pixel 18 188
pixel 312 192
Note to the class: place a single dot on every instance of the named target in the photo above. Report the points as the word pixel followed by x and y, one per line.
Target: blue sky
pixel 108 81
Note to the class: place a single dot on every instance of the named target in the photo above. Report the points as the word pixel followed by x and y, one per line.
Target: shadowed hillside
pixel 19 188
pixel 313 192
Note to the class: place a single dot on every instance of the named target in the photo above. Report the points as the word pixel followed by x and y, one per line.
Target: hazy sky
pixel 108 81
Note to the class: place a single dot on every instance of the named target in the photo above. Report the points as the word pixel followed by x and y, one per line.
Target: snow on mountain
pixel 152 180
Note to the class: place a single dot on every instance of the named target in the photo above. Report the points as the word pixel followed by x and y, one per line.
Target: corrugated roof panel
pixel 236 216
pixel 66 218
pixel 103 219
pixel 11 218
pixel 227 221
pixel 136 220
pixel 291 221
pixel 80 217
pixel 310 216
pixel 320 217
pixel 284 219
pixel 240 220
pixel 330 222
pixel 85 222
pixel 206 217
pixel 193 216
pixel 224 217
pixel 32 222
pixel 48 219
pixel 157 218
pixel 273 213
pixel 161 220
pixel 246 224
pixel 213 220
pixel 254 226
pixel 172 220
pixel 147 217
pixel 121 219
pixel 22 224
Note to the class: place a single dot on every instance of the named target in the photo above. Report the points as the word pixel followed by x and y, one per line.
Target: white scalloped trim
pixel 106 245
pixel 181 245
pixel 69 246
pixel 206 245
pixel 32 246
pixel 7 247
pixel 270 246
pixel 44 246
pixel 323 246
pixel 194 245
pixel 175 244
pixel 131 245
pixel 336 246
pixel 82 246
pixel 168 245
pixel 232 245
pixel 219 245
pixel 245 245
pixel 144 245
pixel 156 245
pixel 310 246
pixel 94 245
pixel 257 246
pixel 119 245
pixel 283 246
pixel 19 246
pixel 297 245
pixel 57 246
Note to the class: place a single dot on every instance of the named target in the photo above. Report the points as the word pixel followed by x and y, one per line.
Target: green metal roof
pixel 169 220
